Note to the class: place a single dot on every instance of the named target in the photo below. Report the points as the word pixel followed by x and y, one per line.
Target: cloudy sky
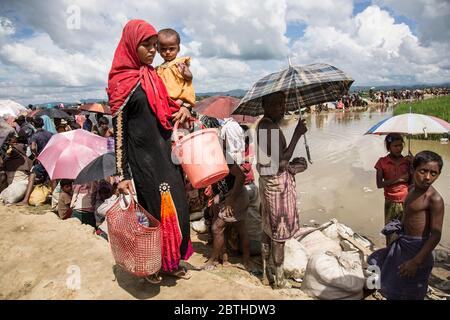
pixel 61 50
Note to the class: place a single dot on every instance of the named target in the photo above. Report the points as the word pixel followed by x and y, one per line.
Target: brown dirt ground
pixel 36 250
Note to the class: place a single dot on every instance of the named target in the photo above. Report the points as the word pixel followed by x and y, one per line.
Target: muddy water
pixel 341 181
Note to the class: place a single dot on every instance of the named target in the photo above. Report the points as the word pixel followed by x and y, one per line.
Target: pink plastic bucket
pixel 201 156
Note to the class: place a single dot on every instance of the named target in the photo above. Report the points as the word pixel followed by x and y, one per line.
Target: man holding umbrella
pixel 277 183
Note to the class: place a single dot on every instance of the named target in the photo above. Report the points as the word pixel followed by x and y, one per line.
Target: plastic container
pixel 201 156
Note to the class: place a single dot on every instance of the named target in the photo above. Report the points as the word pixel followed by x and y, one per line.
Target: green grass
pixel 437 107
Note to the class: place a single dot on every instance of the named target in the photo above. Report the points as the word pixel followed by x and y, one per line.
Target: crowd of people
pixel 146 103
pixel 25 181
pixel 405 94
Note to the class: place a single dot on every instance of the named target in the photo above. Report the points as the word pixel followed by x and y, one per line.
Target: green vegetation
pixel 437 107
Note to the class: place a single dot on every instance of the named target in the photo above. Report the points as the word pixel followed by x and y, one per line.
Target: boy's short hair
pixel 65 182
pixel 391 137
pixel 170 33
pixel 38 122
pixel 426 156
pixel 267 100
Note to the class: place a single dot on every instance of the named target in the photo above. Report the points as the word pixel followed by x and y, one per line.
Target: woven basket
pixel 136 248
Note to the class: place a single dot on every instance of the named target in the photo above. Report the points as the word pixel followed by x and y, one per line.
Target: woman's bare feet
pixel 209 265
pixel 181 273
pixel 153 278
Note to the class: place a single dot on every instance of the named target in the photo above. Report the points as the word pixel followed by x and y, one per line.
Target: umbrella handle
pixel 308 154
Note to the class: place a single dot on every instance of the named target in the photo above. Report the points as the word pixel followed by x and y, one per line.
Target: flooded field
pixel 341 181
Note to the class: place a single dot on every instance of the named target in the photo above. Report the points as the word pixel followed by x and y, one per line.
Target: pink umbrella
pixel 67 153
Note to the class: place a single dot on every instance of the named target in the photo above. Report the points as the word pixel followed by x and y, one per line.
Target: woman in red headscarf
pixel 143 115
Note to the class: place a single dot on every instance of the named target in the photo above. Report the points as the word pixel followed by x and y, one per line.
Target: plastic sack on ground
pixel 199 226
pixel 14 192
pixel 330 276
pixel 295 259
pixel 317 242
pixel 39 195
pixel 333 230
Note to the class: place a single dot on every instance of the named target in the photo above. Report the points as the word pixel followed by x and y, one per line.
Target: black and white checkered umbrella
pixel 304 86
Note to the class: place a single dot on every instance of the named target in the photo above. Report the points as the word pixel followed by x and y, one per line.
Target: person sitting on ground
pixel 83 202
pixel 406 264
pixel 16 166
pixel 231 206
pixel 38 173
pixel 253 222
pixel 65 199
pixel 175 71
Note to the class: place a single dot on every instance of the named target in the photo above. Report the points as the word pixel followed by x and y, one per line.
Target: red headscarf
pixel 127 71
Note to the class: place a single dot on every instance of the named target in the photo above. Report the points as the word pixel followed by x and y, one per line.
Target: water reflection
pixel 341 182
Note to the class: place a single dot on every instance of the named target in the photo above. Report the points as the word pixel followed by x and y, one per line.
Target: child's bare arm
pixel 381 183
pixel 185 72
pixel 409 268
pixel 287 153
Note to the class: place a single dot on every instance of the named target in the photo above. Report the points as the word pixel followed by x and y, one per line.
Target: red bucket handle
pixel 175 128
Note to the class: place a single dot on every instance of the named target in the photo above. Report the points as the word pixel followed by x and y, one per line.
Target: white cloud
pixel 239 29
pixel 54 66
pixel 233 43
pixel 323 13
pixel 6 27
pixel 373 50
pixel 431 16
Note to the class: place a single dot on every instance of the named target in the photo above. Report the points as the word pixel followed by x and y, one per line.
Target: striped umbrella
pixel 410 124
pixel 304 86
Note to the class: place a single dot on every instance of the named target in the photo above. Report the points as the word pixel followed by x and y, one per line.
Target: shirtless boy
pixel 407 263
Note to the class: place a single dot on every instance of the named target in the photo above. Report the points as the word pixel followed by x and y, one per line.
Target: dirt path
pixel 40 255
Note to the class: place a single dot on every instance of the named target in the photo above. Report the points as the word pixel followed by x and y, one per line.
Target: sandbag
pixel 199 226
pixel 330 276
pixel 317 242
pixel 349 240
pixel 39 195
pixel 295 259
pixel 333 230
pixel 15 192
